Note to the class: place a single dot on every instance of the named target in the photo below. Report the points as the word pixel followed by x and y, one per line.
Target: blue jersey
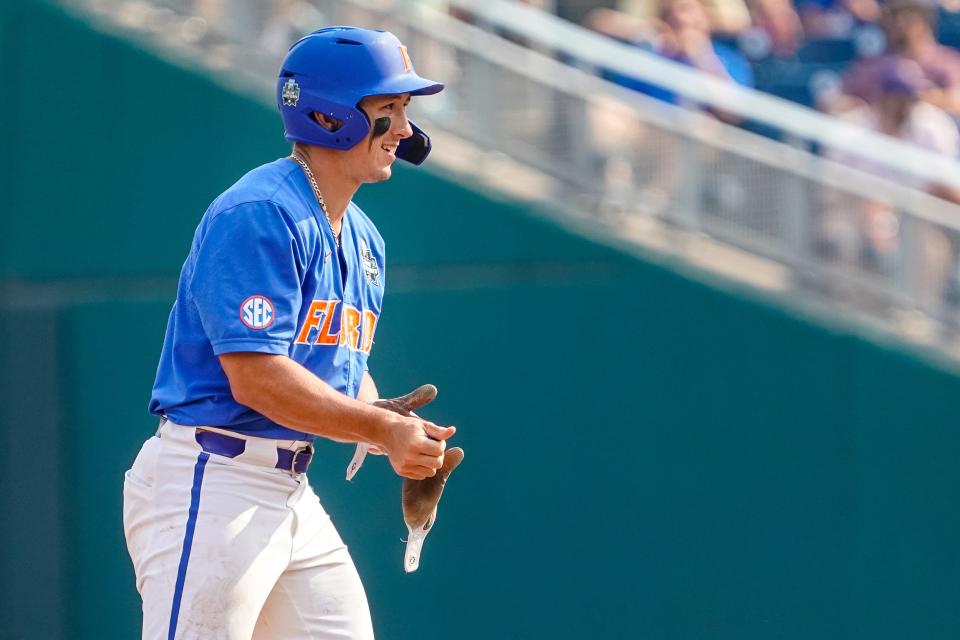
pixel 265 275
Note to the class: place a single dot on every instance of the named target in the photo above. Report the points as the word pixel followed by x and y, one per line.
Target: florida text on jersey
pixel 266 275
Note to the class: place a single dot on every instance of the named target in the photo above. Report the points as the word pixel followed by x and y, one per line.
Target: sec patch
pixel 257 312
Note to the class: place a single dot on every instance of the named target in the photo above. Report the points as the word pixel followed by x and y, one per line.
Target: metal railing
pixel 648 172
pixel 593 52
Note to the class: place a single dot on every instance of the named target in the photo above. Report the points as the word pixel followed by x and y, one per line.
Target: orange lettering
pixel 406 59
pixel 324 336
pixel 369 326
pixel 317 309
pixel 356 327
pixel 349 334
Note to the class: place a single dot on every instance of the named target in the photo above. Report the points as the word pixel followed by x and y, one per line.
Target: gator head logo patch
pixel 370 268
pixel 407 65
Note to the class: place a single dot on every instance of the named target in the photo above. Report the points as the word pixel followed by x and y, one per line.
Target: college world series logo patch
pixel 291 93
pixel 257 312
pixel 370 268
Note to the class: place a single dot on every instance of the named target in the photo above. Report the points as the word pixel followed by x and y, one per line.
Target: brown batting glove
pixel 419 500
pixel 404 405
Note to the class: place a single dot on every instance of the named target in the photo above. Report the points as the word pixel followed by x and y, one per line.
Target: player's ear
pixel 325 121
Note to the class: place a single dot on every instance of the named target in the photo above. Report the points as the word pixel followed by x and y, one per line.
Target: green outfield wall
pixel 649 455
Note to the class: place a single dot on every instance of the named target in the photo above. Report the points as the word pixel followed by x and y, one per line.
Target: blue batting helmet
pixel 331 70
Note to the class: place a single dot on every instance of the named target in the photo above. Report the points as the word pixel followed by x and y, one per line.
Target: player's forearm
pixel 289 394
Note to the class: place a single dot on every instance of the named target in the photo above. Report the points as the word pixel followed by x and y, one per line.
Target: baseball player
pixel 266 348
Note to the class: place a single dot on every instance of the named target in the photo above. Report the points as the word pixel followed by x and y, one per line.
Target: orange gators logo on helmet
pixel 356 326
pixel 407 65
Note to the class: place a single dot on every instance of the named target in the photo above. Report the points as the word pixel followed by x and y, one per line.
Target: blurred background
pixel 686 273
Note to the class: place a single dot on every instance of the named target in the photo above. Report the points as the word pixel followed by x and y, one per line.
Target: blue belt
pixel 230 447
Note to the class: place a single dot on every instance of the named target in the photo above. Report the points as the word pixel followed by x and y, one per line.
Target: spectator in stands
pixel 727 18
pixel 899 111
pixel 908 25
pixel 629 27
pixel 680 32
pixel 685 36
pixel 777 29
pixel 836 18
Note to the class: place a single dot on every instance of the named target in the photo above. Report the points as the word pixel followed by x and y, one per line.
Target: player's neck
pixel 337 188
pixel 337 191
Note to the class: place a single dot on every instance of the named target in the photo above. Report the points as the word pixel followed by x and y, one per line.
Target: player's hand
pixel 402 405
pixel 415 447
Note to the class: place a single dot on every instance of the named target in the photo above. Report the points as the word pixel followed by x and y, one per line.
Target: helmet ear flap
pixel 416 148
pixel 300 105
pixel 334 124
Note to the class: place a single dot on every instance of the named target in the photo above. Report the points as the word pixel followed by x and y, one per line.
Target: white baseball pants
pixel 233 548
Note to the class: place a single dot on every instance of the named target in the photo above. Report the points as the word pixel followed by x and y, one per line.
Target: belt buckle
pixel 293 459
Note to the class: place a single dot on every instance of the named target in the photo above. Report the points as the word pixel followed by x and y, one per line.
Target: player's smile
pixel 391 150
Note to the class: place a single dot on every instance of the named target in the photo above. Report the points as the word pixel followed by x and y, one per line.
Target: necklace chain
pixel 317 194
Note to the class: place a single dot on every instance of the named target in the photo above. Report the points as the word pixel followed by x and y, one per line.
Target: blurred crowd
pixel 890 66
pixel 887 65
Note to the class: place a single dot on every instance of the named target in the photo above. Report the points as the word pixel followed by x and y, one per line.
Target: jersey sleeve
pixel 246 282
